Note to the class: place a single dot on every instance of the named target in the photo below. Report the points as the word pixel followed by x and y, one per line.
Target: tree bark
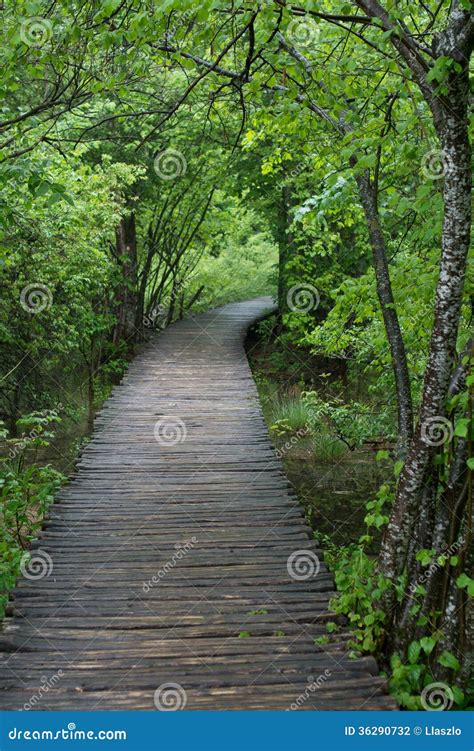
pixel 421 470
pixel 126 295
pixel 368 199
pixel 284 242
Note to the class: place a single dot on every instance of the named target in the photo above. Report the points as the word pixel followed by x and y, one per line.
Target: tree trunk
pixel 172 303
pixel 368 198
pixel 15 410
pixel 126 295
pixel 90 397
pixel 418 494
pixel 284 241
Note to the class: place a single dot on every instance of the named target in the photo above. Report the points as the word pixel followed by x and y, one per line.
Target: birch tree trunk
pixel 430 511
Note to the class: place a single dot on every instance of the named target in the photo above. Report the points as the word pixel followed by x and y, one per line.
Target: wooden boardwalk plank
pixel 176 569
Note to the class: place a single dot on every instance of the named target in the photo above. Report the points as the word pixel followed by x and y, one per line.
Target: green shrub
pixel 27 490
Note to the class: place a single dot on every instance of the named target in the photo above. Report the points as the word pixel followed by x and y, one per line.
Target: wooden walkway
pixel 176 569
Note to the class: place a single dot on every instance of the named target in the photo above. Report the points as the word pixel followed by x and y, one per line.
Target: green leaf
pixel 458 695
pixel 465 582
pixel 448 660
pixel 414 652
pixel 397 468
pixel 425 556
pixel 427 643
pixel 461 427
